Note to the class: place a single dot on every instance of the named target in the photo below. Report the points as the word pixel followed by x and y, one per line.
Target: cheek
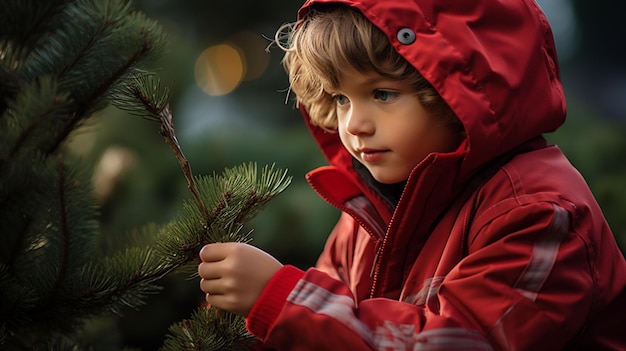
pixel 415 143
pixel 343 135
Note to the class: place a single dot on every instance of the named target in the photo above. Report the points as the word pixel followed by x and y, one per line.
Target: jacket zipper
pixel 377 259
pixel 380 239
pixel 377 262
pixel 380 247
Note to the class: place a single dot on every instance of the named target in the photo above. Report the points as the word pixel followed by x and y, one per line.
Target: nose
pixel 359 121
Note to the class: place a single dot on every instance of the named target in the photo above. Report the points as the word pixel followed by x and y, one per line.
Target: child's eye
pixel 385 95
pixel 340 99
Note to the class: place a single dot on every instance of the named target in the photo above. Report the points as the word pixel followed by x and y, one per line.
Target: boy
pixel 460 228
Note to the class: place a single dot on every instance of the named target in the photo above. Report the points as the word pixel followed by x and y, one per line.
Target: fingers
pixel 211 256
pixel 224 302
pixel 213 252
pixel 209 270
pixel 234 275
pixel 215 262
pixel 212 287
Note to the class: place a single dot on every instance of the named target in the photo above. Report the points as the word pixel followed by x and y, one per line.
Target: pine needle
pixel 209 329
pixel 232 199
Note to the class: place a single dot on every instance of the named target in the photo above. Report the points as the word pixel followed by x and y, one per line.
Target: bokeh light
pixel 219 69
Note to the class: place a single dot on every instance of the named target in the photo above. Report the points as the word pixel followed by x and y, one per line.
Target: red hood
pixel 494 62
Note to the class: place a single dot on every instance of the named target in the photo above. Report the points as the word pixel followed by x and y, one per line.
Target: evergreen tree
pixel 61 61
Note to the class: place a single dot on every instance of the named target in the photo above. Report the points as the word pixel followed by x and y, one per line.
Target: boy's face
pixel 384 126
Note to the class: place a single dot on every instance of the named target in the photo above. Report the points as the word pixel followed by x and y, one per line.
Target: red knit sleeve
pixel 272 299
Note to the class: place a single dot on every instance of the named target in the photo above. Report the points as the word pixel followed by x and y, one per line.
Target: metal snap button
pixel 406 36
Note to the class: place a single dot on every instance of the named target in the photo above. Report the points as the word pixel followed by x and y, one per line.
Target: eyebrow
pixel 375 80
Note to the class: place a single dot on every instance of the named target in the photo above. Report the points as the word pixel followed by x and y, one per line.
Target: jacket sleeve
pixel 319 313
pixel 525 284
pixel 316 309
pixel 529 279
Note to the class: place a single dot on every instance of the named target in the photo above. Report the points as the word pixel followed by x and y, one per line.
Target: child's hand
pixel 234 275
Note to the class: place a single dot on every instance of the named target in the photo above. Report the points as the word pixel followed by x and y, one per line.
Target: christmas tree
pixel 60 62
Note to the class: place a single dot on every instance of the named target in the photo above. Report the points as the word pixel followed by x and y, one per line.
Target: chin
pixel 385 175
pixel 389 180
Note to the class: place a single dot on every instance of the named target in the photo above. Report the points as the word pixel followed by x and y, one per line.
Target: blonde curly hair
pixel 331 37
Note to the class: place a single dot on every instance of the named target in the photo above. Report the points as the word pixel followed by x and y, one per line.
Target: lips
pixel 369 151
pixel 371 155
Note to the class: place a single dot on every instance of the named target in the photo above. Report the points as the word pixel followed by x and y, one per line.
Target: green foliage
pixel 144 96
pixel 58 62
pixel 209 329
pixel 68 41
pixel 233 198
pixel 38 107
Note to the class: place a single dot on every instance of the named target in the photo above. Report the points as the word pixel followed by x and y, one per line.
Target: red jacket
pixel 498 245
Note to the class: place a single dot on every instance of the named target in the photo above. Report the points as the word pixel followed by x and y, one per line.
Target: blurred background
pixel 229 104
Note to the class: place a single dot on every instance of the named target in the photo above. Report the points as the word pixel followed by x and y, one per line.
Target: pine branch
pixel 58 62
pixel 148 44
pixel 131 275
pixel 233 197
pixel 209 329
pixel 103 40
pixel 222 206
pixel 30 117
pixel 25 20
pixel 144 95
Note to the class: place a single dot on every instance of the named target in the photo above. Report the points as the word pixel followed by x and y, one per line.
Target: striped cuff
pixel 271 301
